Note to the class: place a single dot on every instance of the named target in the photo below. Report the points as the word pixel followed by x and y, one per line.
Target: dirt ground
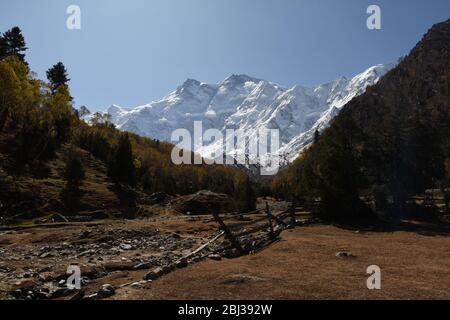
pixel 302 264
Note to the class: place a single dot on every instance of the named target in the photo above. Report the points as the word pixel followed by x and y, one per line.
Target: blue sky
pixel 131 52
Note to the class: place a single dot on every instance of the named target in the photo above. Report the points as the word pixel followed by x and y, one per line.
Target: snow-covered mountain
pixel 248 104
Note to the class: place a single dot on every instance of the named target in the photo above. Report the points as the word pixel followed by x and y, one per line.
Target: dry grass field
pixel 301 264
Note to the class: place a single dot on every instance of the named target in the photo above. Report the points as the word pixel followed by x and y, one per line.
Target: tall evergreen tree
pixel 57 75
pixel 74 175
pixel 122 168
pixel 13 43
pixel 74 170
pixel 2 47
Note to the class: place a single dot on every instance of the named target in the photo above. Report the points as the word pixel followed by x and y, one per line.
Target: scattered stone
pixel 46 276
pixel 182 263
pixel 17 293
pixel 4 269
pixel 45 269
pixel 85 253
pixel 153 275
pixel 139 284
pixel 344 254
pixel 215 257
pixel 46 255
pixel 126 247
pixel 106 291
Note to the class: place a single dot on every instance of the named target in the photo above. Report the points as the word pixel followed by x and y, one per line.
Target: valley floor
pixel 301 265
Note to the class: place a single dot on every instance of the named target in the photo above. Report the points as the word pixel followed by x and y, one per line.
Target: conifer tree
pixel 57 75
pixel 13 43
pixel 74 175
pixel 74 170
pixel 2 48
pixel 123 170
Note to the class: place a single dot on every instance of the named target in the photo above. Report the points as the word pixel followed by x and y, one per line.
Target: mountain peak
pixel 191 82
pixel 240 79
pixel 114 108
pixel 241 101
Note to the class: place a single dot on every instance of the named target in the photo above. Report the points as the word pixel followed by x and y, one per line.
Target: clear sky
pixel 131 52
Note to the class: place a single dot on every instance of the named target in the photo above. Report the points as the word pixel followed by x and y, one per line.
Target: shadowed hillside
pixel 386 146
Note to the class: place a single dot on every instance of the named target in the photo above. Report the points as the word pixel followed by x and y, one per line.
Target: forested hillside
pixel 51 161
pixel 386 145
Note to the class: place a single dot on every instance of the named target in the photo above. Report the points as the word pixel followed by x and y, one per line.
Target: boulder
pixel 155 274
pixel 106 291
pixel 215 257
pixel 204 202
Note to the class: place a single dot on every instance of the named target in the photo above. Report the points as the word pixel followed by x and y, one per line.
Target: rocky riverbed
pixel 34 260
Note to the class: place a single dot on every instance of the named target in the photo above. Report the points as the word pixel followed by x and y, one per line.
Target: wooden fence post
pixel 292 214
pixel 269 216
pixel 228 234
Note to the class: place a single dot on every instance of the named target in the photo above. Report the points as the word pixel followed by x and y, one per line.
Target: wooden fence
pixel 251 235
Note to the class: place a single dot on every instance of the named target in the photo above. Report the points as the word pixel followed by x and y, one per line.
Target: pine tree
pixel 57 75
pixel 13 43
pixel 74 170
pixel 2 48
pixel 122 168
pixel 74 175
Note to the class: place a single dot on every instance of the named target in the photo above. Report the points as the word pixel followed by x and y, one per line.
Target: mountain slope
pixel 248 104
pixel 392 142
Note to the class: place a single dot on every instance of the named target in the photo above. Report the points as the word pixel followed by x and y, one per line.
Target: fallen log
pixel 204 245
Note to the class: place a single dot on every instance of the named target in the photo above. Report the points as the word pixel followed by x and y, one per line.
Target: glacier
pixel 248 104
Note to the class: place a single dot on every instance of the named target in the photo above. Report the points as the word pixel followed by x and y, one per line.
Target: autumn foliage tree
pixel 38 121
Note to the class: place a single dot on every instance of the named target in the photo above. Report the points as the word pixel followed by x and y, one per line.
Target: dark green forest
pixel 386 146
